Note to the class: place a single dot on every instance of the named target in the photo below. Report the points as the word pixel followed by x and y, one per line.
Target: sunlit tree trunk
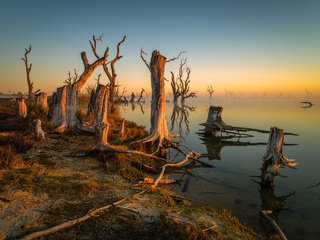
pixel 22 111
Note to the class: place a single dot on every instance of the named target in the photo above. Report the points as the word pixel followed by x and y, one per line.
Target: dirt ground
pixel 56 181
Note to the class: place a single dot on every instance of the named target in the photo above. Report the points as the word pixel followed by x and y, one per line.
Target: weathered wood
pixel 111 74
pixel 28 70
pixel 70 223
pixel 215 124
pixel 22 111
pixel 273 158
pixel 159 129
pixel 65 101
pixel 65 107
pixel 41 100
pixel 39 133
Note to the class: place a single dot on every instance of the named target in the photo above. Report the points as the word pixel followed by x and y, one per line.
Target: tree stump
pixel 65 107
pixel 38 130
pixel 22 111
pixel 273 158
pixel 41 100
pixel 214 121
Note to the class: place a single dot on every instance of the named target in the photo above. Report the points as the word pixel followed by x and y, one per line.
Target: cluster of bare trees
pixel 180 83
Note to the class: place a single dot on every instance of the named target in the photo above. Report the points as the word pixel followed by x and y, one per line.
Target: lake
pixel 231 183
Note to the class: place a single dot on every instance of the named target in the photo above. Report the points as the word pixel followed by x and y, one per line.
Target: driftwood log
pixel 22 111
pixel 215 124
pixel 274 158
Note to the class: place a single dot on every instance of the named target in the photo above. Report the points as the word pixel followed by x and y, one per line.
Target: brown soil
pixel 55 181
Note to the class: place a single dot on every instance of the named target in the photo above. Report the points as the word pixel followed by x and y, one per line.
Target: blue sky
pixel 234 44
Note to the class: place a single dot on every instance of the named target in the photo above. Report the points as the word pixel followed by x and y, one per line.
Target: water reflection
pixel 214 145
pixel 180 116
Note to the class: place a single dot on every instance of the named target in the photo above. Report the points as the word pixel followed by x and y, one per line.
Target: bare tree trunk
pixel 65 107
pixel 159 129
pixel 141 95
pixel 41 100
pixel 22 111
pixel 214 120
pixel 96 108
pixel 65 101
pixel 273 158
pixel 133 96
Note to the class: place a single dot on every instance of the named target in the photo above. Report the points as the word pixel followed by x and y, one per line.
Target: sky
pixel 245 46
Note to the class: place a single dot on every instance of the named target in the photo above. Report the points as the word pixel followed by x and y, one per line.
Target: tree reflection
pixel 180 118
pixel 214 145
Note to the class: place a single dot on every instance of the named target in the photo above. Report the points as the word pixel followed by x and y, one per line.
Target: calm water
pixel 236 161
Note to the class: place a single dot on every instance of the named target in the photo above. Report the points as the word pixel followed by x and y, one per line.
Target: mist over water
pixel 231 183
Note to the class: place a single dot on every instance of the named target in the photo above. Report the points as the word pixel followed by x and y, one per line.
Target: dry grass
pixel 8 157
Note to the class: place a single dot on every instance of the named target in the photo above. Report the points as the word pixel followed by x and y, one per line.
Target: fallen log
pixel 90 213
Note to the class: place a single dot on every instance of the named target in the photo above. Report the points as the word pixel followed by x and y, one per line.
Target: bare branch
pixel 177 57
pixel 98 79
pixel 143 59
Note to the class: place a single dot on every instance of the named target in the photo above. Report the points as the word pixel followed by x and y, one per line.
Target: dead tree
pixel 141 95
pixel 111 74
pixel 22 111
pixel 28 70
pixel 175 88
pixel 65 101
pixel 215 124
pixel 273 158
pixel 210 90
pixel 96 106
pixel 41 100
pixel 159 130
pixel 133 96
pixel 184 81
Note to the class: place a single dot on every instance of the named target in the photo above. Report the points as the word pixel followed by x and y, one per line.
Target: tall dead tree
pixel 159 129
pixel 184 81
pixel 28 70
pixel 273 159
pixel 65 99
pixel 111 74
pixel 141 95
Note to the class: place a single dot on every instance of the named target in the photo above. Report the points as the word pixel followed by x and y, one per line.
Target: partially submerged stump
pixel 273 158
pixel 41 100
pixel 215 124
pixel 22 111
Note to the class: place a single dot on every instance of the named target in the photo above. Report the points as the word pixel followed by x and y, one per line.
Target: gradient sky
pixel 242 45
